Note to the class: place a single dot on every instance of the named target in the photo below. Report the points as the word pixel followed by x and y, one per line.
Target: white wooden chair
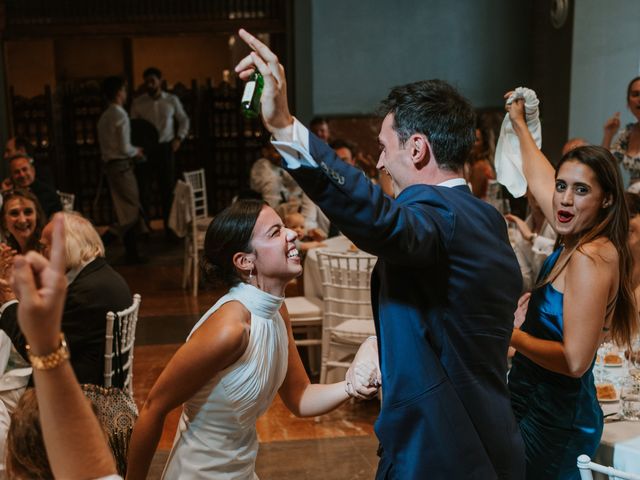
pixel 348 318
pixel 199 222
pixel 305 314
pixel 586 466
pixel 119 340
pixel 198 183
pixel 67 200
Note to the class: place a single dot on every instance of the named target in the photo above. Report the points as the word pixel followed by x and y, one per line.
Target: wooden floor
pixel 340 445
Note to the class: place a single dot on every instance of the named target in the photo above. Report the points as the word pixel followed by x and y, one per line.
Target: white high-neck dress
pixel 216 436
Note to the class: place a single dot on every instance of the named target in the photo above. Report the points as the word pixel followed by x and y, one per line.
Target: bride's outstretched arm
pixel 303 398
pixel 218 343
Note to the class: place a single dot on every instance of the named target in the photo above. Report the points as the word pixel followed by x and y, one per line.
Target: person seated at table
pixel 345 151
pixel 584 295
pixel 479 169
pixel 237 357
pixel 633 203
pixel 534 242
pixel 572 144
pixel 279 189
pixel 21 220
pixel 320 127
pixel 94 289
pixel 23 175
pixel 304 242
pixel 26 456
pixel 22 146
pixel 350 154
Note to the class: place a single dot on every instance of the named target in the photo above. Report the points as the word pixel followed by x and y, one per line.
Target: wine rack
pixel 32 119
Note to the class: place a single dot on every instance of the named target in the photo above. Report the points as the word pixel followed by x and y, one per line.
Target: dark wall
pixel 362 49
pixel 551 75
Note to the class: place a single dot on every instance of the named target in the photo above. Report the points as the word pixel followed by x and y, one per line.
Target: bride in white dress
pixel 237 357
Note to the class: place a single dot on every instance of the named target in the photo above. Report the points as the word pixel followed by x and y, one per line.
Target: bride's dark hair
pixel 229 233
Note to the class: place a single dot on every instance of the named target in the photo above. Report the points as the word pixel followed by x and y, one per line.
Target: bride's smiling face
pixel 275 252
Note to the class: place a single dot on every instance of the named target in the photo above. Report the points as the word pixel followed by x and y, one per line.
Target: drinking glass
pixel 630 398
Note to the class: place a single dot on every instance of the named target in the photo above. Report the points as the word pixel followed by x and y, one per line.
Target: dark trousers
pixel 160 166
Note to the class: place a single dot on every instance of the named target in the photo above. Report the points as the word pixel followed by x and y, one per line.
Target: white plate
pixel 614 365
pixel 598 363
pixel 610 400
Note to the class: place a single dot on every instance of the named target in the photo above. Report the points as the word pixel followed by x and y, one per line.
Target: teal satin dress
pixel 559 416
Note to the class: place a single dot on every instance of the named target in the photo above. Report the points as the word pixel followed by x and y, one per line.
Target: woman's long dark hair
pixel 230 232
pixel 612 223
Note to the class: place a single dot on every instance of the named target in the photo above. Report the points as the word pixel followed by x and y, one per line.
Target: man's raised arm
pixel 360 209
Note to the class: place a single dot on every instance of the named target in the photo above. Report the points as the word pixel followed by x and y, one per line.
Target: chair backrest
pixel 67 200
pixel 586 466
pixel 198 184
pixel 346 280
pixel 119 340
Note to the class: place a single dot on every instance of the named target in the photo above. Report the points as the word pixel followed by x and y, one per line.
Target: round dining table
pixel 620 442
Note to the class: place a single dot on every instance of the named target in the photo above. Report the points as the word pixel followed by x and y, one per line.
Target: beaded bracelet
pixel 51 360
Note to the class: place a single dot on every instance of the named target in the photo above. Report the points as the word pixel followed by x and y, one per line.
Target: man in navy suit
pixel 444 288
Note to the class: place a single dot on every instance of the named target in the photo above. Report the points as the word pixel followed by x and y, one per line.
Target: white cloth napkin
pixel 508 160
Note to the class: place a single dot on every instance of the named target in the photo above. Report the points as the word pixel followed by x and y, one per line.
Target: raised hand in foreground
pixel 75 444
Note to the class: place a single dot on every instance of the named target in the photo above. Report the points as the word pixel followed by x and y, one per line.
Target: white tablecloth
pixel 620 444
pixel 311 275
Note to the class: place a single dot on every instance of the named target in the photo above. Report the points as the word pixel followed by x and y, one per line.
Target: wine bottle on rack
pixel 250 103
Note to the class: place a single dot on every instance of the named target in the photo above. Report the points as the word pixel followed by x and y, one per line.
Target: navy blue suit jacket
pixel 444 291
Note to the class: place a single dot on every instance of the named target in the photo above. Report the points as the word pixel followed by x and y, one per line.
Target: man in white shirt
pixel 162 110
pixel 118 156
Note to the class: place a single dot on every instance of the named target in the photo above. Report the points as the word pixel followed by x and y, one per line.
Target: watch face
pixel 559 12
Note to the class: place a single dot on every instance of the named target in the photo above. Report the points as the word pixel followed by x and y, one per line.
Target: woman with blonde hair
pixel 82 241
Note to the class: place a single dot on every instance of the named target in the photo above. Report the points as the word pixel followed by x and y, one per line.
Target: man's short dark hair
pixel 22 143
pixel 437 110
pixel 111 86
pixel 318 121
pixel 152 72
pixel 340 143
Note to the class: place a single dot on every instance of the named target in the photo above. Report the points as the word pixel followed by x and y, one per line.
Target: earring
pixel 251 274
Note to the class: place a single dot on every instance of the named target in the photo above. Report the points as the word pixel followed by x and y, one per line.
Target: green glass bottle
pixel 250 103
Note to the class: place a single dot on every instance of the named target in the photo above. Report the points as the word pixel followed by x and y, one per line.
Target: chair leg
pixel 186 272
pixel 324 357
pixel 196 275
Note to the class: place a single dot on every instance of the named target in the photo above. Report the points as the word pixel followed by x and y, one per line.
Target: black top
pixel 96 290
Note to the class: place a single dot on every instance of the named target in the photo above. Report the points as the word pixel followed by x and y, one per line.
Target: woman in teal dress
pixel 583 295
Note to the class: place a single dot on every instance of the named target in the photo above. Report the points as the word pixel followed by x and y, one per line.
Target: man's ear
pixel 244 262
pixel 420 150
